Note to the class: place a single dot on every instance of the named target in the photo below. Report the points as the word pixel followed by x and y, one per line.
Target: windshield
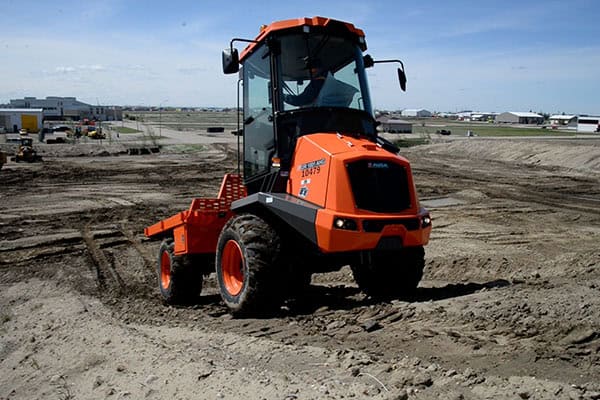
pixel 318 70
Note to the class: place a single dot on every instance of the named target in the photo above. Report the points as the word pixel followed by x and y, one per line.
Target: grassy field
pixel 187 120
pixel 430 126
pixel 124 129
pixel 424 128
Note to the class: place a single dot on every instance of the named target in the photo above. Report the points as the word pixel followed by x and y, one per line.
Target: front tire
pixel 390 274
pixel 179 281
pixel 247 261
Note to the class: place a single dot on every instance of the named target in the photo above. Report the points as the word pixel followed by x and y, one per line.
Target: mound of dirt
pixel 583 155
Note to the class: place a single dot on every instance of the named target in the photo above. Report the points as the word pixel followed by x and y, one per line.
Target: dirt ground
pixel 509 306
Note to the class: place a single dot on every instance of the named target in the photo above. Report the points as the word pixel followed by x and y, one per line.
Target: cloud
pixel 191 70
pixel 79 69
pixel 64 70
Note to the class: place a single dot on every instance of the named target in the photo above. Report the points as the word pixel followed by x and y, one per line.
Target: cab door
pixel 259 138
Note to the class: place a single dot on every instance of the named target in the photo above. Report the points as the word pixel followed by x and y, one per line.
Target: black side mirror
pixel 231 61
pixel 402 79
pixel 369 62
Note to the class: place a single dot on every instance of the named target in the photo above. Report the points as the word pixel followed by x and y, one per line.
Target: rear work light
pixel 425 221
pixel 345 223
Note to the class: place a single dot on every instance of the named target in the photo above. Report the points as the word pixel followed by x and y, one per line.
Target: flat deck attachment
pixel 196 230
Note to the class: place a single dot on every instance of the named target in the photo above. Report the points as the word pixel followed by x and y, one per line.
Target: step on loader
pixel 318 189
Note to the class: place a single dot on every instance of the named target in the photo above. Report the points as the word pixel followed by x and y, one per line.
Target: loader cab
pixel 278 69
pixel 26 142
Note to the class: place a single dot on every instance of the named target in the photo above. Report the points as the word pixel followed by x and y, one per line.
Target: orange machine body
pixel 196 230
pixel 318 189
pixel 319 176
pixel 296 23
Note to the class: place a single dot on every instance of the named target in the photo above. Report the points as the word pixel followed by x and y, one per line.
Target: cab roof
pixel 298 23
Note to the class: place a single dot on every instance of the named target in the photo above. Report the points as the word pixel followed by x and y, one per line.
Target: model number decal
pixel 311 168
pixel 310 171
pixel 312 164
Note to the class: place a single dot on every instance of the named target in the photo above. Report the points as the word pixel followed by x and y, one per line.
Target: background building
pixel 563 121
pixel 483 116
pixel 395 125
pixel 519 118
pixel 416 112
pixel 13 119
pixel 68 108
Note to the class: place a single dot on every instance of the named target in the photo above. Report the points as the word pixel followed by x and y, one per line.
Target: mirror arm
pixel 240 40
pixel 388 61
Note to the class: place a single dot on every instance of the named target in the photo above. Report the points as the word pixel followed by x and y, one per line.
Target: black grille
pixel 379 186
pixel 412 224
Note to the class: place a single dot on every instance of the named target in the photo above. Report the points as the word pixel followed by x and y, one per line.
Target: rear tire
pixel 179 280
pixel 247 265
pixel 390 274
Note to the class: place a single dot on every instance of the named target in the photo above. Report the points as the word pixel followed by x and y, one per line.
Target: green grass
pixel 411 142
pixel 495 131
pixel 124 129
pixel 483 130
pixel 188 120
pixel 422 128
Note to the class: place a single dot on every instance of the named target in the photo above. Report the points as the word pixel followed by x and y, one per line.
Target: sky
pixel 491 56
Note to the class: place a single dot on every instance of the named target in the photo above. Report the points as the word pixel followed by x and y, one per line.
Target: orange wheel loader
pixel 317 190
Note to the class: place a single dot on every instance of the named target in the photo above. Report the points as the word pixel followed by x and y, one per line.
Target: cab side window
pixel 258 114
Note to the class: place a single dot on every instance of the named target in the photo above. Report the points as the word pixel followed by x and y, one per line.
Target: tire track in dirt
pixel 149 261
pixel 106 273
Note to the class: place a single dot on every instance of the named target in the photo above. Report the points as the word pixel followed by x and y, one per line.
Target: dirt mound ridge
pixel 583 155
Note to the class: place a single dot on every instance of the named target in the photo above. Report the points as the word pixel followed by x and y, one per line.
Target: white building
pixel 563 120
pixel 448 115
pixel 588 124
pixel 14 119
pixel 68 108
pixel 483 116
pixel 464 115
pixel 416 112
pixel 514 117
